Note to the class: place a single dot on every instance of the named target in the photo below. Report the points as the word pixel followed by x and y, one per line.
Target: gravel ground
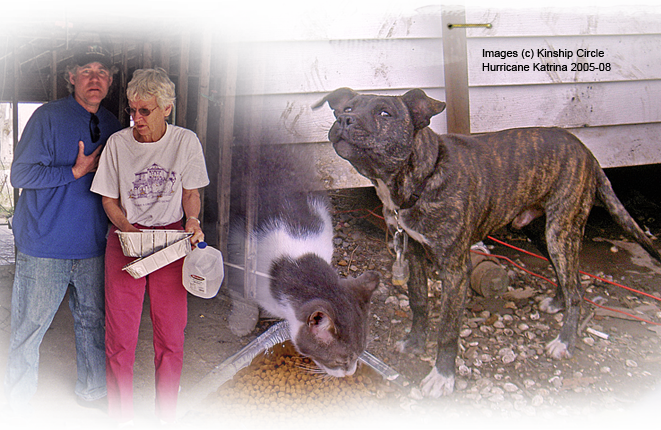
pixel 504 378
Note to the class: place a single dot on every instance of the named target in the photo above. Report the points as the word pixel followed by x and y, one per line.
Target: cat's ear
pixel 320 321
pixel 364 285
pixel 321 326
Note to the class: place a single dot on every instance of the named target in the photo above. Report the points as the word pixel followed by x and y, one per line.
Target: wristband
pixel 192 217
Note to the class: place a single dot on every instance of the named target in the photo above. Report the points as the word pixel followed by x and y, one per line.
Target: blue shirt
pixel 58 216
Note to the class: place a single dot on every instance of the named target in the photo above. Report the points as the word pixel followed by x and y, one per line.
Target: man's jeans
pixel 40 285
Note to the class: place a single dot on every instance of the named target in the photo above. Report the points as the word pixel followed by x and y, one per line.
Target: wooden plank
pixel 203 102
pixel 164 55
pixel 322 66
pixel 227 93
pixel 625 58
pixel 564 21
pixel 290 118
pixel 625 145
pixel 182 83
pixel 456 70
pixel 203 89
pixel 339 19
pixel 147 55
pixel 124 118
pixel 53 74
pixel 14 105
pixel 255 134
pixel 565 105
pixel 628 145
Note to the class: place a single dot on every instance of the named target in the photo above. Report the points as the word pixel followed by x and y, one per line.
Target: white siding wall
pixel 616 111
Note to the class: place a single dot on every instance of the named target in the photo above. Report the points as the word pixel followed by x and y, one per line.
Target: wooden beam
pixel 203 101
pixel 203 89
pixel 182 85
pixel 147 55
pixel 14 113
pixel 255 136
pixel 123 81
pixel 164 55
pixel 227 94
pixel 456 70
pixel 53 72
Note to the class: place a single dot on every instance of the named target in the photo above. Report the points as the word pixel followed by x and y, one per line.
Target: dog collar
pixel 415 196
pixel 411 201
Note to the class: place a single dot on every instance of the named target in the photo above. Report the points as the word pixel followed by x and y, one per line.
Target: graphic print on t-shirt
pixel 154 183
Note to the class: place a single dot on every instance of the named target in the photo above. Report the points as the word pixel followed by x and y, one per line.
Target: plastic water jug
pixel 203 271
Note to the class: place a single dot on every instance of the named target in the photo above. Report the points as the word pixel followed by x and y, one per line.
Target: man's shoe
pixel 16 424
pixel 100 404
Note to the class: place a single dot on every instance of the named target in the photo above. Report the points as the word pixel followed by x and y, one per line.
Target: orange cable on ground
pixel 546 279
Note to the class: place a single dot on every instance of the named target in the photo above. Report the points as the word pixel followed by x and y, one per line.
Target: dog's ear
pixel 337 99
pixel 422 107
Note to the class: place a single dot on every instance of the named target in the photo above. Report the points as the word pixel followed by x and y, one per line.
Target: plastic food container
pixel 145 265
pixel 276 334
pixel 147 242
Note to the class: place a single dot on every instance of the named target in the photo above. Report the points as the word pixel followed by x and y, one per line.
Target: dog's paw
pixel 436 385
pixel 558 349
pixel 549 306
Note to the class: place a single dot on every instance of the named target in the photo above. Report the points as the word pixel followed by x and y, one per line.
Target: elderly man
pixel 59 229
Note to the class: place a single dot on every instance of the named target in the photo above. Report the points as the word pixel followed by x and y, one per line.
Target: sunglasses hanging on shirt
pixel 95 132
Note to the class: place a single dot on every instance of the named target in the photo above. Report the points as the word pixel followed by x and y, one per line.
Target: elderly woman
pixel 148 177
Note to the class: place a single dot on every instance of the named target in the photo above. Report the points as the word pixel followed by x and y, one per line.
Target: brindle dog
pixel 450 191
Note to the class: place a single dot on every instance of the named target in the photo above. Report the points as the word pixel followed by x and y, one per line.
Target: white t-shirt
pixel 148 178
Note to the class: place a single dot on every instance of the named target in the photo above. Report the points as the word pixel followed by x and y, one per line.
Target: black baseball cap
pixel 92 54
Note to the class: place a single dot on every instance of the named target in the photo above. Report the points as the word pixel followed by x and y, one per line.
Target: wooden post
pixel 182 85
pixel 53 72
pixel 164 55
pixel 203 101
pixel 14 102
pixel 147 55
pixel 455 59
pixel 123 81
pixel 255 138
pixel 227 106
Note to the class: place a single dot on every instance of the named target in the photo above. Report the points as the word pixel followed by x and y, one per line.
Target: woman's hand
pixel 190 200
pixel 116 214
pixel 193 226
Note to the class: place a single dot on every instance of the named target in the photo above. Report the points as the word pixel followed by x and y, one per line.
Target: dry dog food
pixel 286 384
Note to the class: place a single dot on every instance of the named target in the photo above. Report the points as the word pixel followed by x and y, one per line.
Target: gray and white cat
pixel 292 243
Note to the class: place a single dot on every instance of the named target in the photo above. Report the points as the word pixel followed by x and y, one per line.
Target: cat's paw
pixel 436 385
pixel 558 349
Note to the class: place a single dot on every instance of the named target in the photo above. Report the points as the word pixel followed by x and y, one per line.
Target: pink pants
pixel 168 311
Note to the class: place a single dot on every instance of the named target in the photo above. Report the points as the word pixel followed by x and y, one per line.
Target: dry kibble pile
pixel 286 384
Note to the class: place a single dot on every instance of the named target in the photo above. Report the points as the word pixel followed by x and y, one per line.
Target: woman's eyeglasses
pixel 95 132
pixel 142 111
